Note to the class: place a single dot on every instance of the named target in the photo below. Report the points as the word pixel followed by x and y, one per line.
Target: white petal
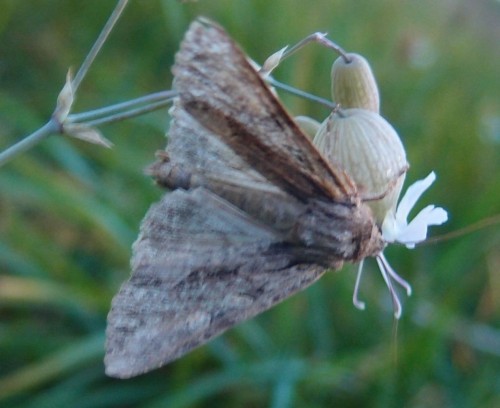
pixel 416 230
pixel 411 196
pixel 390 228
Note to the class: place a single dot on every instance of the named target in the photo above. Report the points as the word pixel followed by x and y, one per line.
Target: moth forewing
pixel 237 105
pixel 196 157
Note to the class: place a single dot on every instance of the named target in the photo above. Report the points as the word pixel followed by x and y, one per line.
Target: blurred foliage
pixel 70 211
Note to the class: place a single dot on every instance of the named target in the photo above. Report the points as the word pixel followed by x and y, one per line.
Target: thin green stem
pixel 128 114
pixel 89 59
pixel 94 118
pixel 302 94
pixel 320 38
pixel 163 96
pixel 51 127
pixel 484 223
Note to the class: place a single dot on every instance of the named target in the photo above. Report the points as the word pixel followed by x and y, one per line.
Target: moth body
pixel 255 214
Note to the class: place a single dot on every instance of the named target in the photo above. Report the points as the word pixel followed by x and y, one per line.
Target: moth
pixel 255 213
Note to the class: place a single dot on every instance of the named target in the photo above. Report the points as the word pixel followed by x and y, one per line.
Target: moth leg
pixel 389 188
pixel 168 174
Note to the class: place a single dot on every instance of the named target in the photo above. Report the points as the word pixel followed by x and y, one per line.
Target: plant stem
pixel 128 114
pixel 92 118
pixel 52 126
pixel 163 96
pixel 89 59
pixel 28 142
pixel 302 94
pixel 320 38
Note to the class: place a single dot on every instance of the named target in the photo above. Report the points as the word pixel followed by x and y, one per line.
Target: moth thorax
pixel 344 231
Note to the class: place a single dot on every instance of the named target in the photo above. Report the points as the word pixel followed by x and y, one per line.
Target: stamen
pixel 393 274
pixel 395 300
pixel 358 303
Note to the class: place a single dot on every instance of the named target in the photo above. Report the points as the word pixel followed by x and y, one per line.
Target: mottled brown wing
pixel 196 157
pixel 225 94
pixel 200 266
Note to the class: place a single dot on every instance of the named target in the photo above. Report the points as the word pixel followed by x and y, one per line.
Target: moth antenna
pixel 355 299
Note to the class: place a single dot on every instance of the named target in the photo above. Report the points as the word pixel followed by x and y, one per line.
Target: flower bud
pixel 353 83
pixel 369 150
pixel 308 125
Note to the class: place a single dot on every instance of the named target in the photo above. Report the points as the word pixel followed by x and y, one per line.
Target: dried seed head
pixel 369 150
pixel 353 83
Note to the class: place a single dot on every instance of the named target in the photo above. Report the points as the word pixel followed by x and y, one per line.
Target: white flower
pixel 395 228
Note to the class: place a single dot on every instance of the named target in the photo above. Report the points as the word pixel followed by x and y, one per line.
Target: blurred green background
pixel 70 211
